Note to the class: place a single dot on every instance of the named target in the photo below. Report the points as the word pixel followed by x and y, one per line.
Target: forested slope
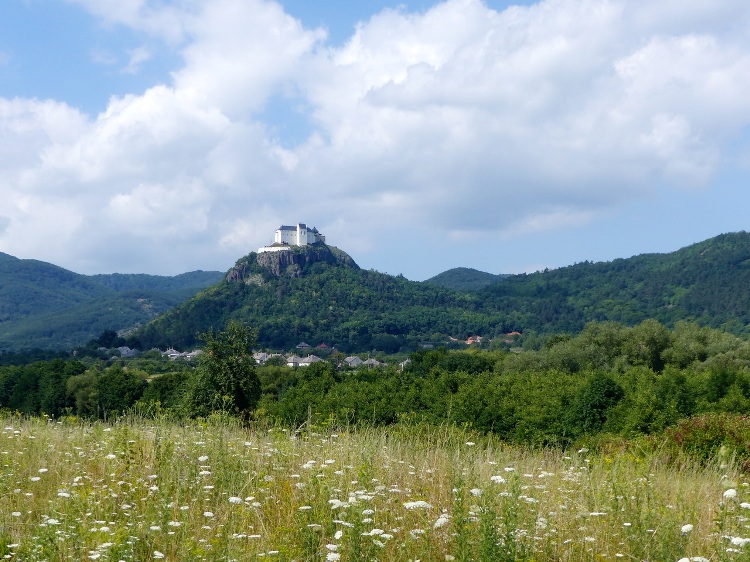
pixel 362 310
pixel 45 306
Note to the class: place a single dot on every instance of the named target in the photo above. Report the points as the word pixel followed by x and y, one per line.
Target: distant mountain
pixel 334 302
pixel 464 279
pixel 43 305
pixel 707 282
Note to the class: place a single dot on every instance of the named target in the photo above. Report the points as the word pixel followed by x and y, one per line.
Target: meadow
pixel 136 489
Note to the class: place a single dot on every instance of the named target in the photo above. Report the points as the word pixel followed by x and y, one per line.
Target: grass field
pixel 145 490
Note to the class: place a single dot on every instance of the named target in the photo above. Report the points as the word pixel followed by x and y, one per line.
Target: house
pixel 302 345
pixel 353 361
pixel 294 361
pixel 371 363
pixel 309 360
pixel 125 351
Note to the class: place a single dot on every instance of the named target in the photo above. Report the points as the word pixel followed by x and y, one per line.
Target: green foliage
pixel 43 305
pixel 590 408
pixel 711 436
pixel 225 380
pixel 119 390
pixel 359 311
pixel 464 279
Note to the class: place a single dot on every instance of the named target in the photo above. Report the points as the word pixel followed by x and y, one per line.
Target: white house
pixel 298 235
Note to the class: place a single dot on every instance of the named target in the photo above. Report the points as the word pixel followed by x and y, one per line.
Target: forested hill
pixel 357 310
pixel 322 296
pixel 708 282
pixel 465 279
pixel 45 306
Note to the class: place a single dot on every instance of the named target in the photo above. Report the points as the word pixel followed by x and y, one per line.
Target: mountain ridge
pixel 46 306
pixel 329 299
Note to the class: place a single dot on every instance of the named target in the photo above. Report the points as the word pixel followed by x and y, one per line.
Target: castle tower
pixel 301 234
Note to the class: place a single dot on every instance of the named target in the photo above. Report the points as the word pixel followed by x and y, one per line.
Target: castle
pixel 300 235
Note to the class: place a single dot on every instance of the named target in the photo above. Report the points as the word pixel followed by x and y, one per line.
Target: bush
pixel 714 436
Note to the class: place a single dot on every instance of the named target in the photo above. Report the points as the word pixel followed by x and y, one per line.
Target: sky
pixel 165 136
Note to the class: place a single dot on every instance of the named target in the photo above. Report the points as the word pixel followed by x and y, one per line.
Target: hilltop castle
pixel 300 235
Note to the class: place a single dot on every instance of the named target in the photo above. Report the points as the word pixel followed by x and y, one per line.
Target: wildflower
pixel 16 514
pixel 441 521
pixel 158 554
pixel 332 547
pixel 203 458
pixel 686 529
pixel 338 534
pixel 470 443
pixel 476 492
pixel 333 556
pixel 419 504
pixel 235 499
pixel 208 514
pixel 731 493
pixel 497 479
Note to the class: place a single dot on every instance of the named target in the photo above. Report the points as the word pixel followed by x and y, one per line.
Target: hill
pixel 464 279
pixel 708 282
pixel 318 294
pixel 333 301
pixel 45 306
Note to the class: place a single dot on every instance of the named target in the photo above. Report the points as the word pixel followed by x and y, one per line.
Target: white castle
pixel 300 235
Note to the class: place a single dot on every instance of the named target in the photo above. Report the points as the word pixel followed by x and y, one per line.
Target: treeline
pixel 608 379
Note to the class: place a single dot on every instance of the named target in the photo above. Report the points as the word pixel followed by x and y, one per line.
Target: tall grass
pixel 139 490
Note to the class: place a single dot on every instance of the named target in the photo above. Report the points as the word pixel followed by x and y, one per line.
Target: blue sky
pixel 162 136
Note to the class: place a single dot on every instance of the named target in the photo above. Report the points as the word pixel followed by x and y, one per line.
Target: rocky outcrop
pixel 290 263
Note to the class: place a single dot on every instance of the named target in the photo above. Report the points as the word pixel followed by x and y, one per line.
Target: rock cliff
pixel 255 268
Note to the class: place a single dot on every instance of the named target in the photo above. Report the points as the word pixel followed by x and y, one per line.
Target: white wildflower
pixel 441 521
pixel 419 504
pixel 686 529
pixel 731 493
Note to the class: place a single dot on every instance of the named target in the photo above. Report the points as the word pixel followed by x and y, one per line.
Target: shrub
pixel 713 436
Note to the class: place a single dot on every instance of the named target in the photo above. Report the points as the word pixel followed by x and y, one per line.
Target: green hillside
pixel 45 306
pixel 708 282
pixel 366 310
pixel 464 279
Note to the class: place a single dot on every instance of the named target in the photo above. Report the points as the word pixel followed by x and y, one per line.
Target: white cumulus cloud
pixel 460 119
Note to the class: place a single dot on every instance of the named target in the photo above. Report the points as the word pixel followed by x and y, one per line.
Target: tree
pixel 225 379
pixel 119 390
pixel 589 410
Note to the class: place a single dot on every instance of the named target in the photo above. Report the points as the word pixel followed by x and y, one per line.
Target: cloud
pixel 137 57
pixel 460 119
